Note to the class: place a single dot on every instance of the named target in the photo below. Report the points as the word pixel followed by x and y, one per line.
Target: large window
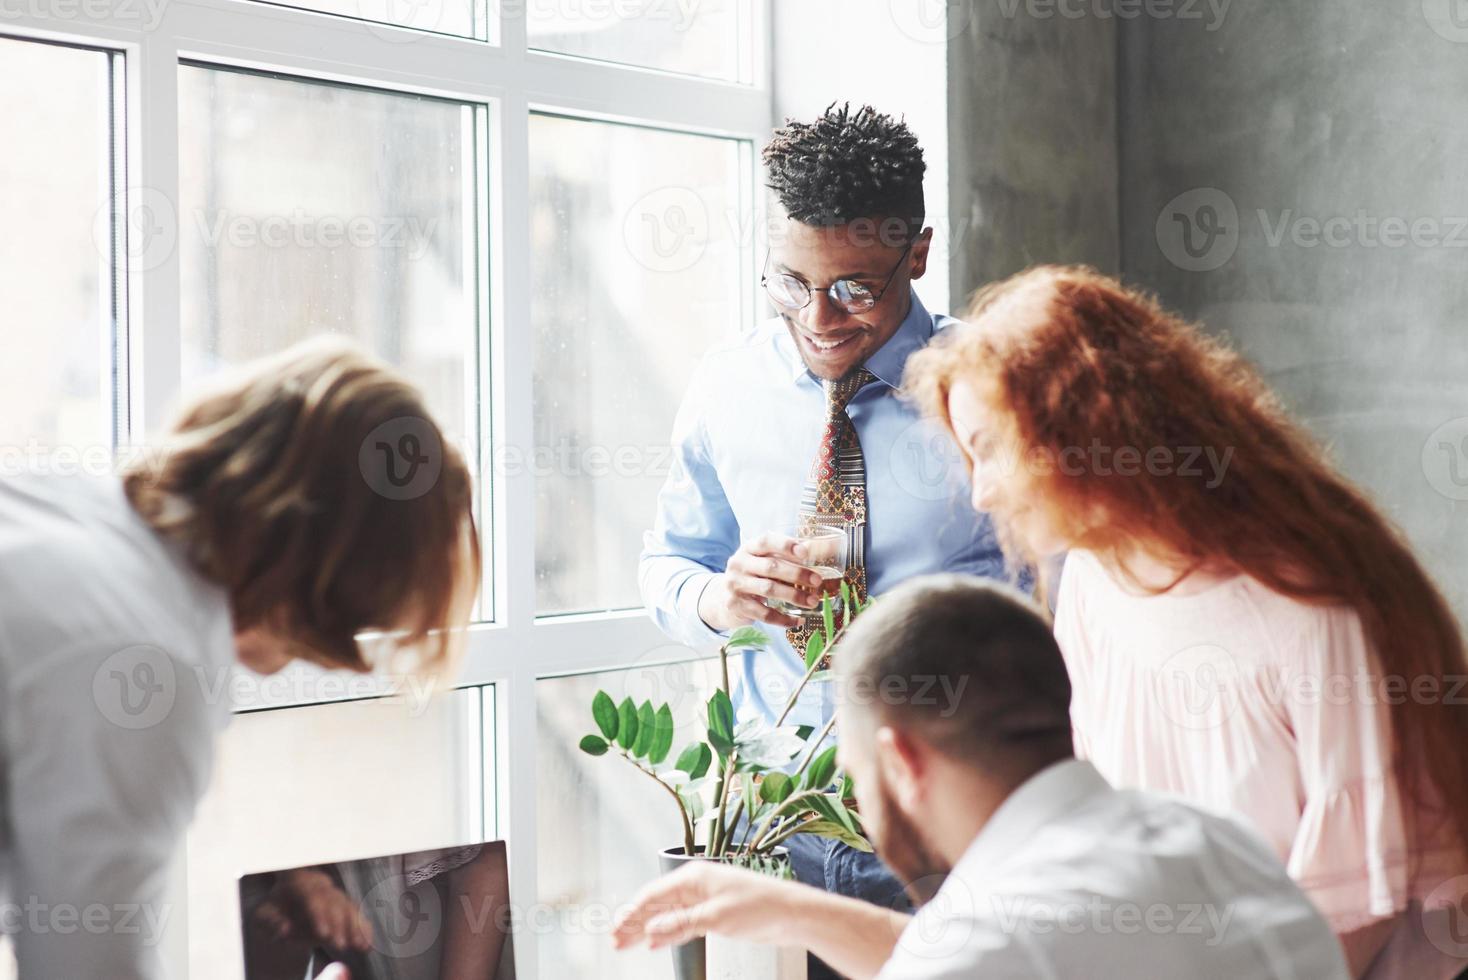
pixel 543 212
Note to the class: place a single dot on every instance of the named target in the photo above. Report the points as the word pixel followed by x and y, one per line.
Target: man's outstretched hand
pixel 704 897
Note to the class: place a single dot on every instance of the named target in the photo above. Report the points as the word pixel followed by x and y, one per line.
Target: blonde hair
pixel 278 485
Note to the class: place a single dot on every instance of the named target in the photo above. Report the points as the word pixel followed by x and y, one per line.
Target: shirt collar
pixel 1051 793
pixel 912 334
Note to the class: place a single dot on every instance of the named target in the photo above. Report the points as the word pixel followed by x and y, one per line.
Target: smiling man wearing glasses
pixel 797 423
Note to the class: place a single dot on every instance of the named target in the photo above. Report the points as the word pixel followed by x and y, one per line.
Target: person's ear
pixel 904 767
pixel 920 246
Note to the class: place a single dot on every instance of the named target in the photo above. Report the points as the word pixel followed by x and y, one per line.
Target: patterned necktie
pixel 835 492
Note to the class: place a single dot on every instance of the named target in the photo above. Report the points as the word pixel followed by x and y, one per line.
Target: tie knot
pixel 841 391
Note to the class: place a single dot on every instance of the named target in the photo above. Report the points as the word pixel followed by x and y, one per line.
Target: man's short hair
pixel 968 665
pixel 847 166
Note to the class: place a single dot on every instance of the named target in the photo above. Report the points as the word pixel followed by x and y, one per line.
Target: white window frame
pixel 514 649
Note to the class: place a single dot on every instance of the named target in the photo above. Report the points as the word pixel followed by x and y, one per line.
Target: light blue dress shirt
pixel 742 446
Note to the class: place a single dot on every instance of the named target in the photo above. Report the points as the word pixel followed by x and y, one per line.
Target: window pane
pixel 55 256
pixel 309 208
pixel 601 824
pixel 708 38
pixel 456 17
pixel 637 259
pixel 330 782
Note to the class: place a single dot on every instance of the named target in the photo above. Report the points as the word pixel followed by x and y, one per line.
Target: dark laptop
pixel 426 915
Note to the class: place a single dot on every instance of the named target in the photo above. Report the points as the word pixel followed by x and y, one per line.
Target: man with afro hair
pixel 798 423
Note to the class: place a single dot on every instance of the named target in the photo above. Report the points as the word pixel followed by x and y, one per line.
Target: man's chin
pixel 904 849
pixel 832 371
pixel 921 881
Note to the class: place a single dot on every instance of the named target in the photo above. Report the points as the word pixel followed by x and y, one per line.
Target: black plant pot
pixel 688 961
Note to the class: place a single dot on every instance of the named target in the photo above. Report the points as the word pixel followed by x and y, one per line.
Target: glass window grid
pixel 510 648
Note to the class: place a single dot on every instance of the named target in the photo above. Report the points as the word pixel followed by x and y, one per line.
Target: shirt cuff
pixel 689 593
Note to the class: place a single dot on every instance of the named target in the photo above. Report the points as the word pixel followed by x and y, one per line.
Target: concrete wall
pixel 1291 173
pixel 1032 151
pixel 1316 152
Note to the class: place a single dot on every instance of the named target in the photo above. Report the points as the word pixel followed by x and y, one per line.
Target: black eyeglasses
pixel 794 293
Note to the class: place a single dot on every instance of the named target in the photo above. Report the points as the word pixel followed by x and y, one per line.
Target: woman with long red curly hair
pixel 1241 624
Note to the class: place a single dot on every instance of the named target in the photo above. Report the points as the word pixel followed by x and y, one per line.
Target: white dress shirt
pixel 1072 878
pixel 112 653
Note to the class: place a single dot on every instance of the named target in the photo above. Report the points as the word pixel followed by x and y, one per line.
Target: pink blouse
pixel 1252 703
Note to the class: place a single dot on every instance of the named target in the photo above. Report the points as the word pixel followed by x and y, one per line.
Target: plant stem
pixel 795 777
pixel 716 829
pixel 689 845
pixel 810 672
pixel 815 747
pixel 718 842
pixel 795 694
pixel 783 834
pixel 764 828
pixel 724 668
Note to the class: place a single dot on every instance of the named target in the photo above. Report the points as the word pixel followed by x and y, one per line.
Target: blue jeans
pixel 843 870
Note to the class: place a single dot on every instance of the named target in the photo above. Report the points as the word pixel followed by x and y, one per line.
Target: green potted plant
pixel 744 788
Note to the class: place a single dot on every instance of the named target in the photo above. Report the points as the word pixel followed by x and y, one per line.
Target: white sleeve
pixel 107 752
pixel 963 947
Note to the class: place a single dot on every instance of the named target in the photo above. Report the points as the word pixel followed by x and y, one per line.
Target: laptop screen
pixel 426 915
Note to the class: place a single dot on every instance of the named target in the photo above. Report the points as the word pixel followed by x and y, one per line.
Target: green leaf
pixel 828 619
pixel 845 603
pixel 821 770
pixel 745 637
pixel 776 787
pixel 814 647
pixel 626 724
pixel 821 805
pixel 721 716
pixel 848 819
pixel 695 760
pixel 592 745
pixel 835 831
pixel 805 731
pixel 848 788
pixel 645 732
pixel 831 809
pixel 605 712
pixel 835 811
pixel 662 738
pixel 721 745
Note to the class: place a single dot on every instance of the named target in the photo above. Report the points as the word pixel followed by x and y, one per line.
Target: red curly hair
pixel 1067 357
